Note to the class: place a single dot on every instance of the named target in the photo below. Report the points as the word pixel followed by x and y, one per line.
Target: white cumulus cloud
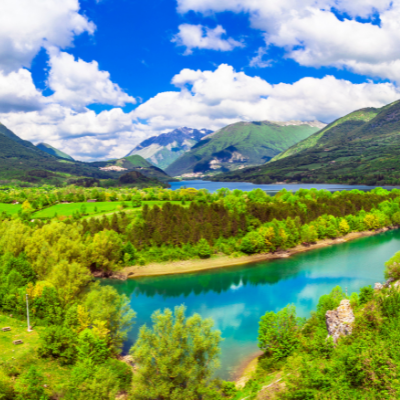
pixel 84 133
pixel 18 92
pixel 213 99
pixel 79 83
pixel 201 37
pixel 312 34
pixel 258 60
pixel 28 25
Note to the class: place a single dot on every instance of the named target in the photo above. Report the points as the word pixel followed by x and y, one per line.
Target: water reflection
pixel 237 297
pixel 314 264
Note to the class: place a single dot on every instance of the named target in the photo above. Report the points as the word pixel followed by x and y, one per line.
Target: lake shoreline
pixel 246 368
pixel 190 266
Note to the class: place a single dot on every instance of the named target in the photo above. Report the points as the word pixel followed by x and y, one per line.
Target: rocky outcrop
pixel 121 276
pixel 339 322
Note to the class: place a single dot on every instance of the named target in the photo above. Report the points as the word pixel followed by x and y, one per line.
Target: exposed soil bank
pixel 245 370
pixel 182 267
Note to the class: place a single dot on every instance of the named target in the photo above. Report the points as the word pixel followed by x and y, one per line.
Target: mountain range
pixel 362 147
pixel 21 161
pixel 164 149
pixel 241 145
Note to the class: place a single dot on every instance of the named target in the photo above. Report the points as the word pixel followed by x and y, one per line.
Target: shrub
pixel 204 249
pixel 30 386
pixel 393 267
pixel 253 242
pixel 278 332
pixel 58 342
pixel 91 347
pixel 366 294
pixel 329 302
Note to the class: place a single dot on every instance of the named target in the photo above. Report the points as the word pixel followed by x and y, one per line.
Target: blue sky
pixel 133 42
pixel 94 78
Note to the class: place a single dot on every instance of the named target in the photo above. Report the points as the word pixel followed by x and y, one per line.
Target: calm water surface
pixel 272 188
pixel 236 297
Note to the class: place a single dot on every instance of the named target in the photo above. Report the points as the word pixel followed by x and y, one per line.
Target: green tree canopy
pixel 278 333
pixel 176 358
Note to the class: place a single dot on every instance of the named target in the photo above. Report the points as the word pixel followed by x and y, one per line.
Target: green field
pixel 18 331
pixel 20 357
pixel 10 209
pixel 102 208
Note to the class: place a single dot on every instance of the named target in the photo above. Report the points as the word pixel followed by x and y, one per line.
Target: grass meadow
pixel 10 209
pixel 93 209
pixel 16 357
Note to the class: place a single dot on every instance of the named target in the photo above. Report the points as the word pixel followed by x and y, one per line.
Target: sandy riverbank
pixel 182 267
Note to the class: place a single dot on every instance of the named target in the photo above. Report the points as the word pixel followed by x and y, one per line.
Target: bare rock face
pixel 339 322
pixel 378 286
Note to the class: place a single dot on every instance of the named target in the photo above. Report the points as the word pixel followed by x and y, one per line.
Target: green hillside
pixel 335 131
pixel 4 131
pixel 361 148
pixel 240 145
pixel 22 162
pixel 53 151
pixel 135 163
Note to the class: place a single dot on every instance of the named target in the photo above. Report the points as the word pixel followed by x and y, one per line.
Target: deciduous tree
pixel 176 358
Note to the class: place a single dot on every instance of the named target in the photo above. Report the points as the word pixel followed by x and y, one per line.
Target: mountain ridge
pixel 241 144
pixel 362 147
pixel 47 148
pixel 165 148
pixel 22 162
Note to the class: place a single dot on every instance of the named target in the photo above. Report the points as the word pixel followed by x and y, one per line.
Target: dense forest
pixel 200 225
pixel 79 324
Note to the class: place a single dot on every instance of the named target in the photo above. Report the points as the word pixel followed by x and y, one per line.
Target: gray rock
pixel 378 286
pixel 339 322
pixel 388 282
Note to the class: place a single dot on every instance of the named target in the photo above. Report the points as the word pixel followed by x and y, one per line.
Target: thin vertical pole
pixel 27 313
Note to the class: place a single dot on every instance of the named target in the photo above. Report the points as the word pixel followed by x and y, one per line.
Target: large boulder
pixel 339 322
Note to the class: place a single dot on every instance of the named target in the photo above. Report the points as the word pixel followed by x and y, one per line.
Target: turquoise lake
pixel 236 297
pixel 271 188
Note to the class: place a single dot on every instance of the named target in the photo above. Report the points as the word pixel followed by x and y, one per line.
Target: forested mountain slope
pixel 164 149
pixel 21 161
pixel 53 151
pixel 242 144
pixel 362 147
